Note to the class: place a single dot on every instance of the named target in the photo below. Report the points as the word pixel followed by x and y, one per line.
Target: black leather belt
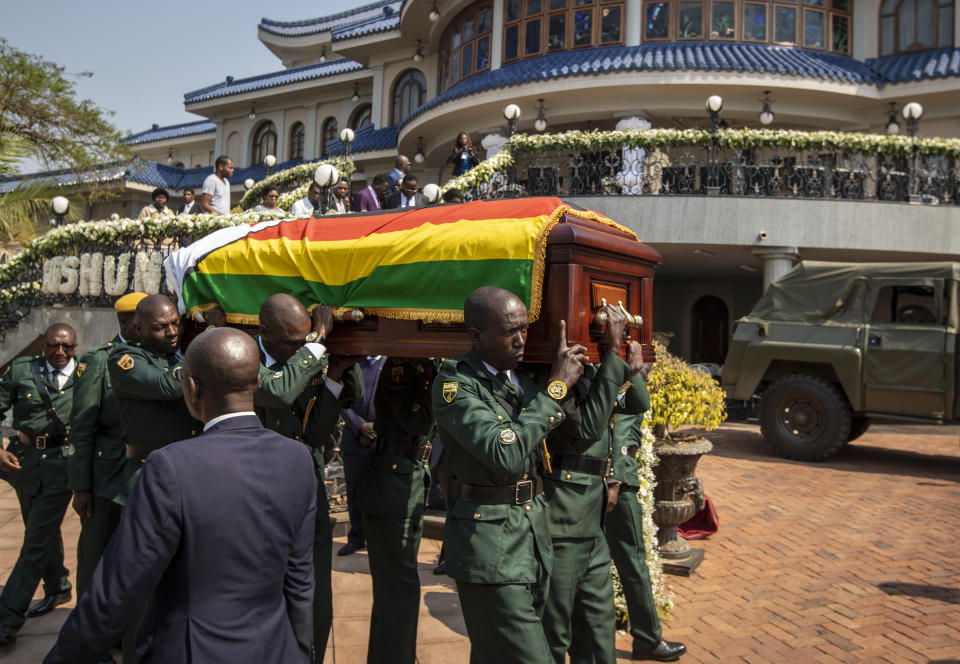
pixel 512 494
pixel 43 441
pixel 582 464
pixel 412 452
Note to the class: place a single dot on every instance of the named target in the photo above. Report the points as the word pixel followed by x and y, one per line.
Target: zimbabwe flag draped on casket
pixel 413 264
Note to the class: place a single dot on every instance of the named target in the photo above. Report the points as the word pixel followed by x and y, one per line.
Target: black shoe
pixel 441 568
pixel 8 636
pixel 349 548
pixel 666 651
pixel 48 604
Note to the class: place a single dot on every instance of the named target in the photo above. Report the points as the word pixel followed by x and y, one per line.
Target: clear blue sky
pixel 144 56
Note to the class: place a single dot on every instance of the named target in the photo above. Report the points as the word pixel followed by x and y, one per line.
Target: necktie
pixel 508 385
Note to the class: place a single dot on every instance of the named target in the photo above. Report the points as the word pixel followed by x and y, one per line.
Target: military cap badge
pixel 449 392
pixel 277 374
pixel 125 362
pixel 508 437
pixel 81 367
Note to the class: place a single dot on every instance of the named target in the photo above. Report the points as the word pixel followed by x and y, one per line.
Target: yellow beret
pixel 128 303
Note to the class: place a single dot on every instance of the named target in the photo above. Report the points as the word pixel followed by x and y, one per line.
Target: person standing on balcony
pixel 306 205
pixel 400 168
pixel 340 197
pixel 269 198
pixel 408 196
pixel 215 198
pixel 464 156
pixel 158 208
pixel 40 390
pixel 374 196
pixel 190 205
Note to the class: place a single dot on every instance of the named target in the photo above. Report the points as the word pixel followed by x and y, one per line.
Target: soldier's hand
pixel 83 503
pixel 645 371
pixel 9 461
pixel 569 360
pixel 367 434
pixel 635 358
pixel 616 324
pixel 322 320
pixel 216 317
pixel 339 364
pixel 613 493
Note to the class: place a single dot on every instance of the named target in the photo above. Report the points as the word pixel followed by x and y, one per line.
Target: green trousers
pixel 95 532
pixel 579 617
pixel 41 556
pixel 504 622
pixel 392 547
pixel 323 588
pixel 624 532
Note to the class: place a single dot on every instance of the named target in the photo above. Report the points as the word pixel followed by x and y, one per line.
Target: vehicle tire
pixel 858 427
pixel 805 417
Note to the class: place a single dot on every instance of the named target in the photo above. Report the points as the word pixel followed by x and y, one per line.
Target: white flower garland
pixel 299 176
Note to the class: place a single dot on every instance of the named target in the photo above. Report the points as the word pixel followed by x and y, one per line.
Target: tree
pixel 39 106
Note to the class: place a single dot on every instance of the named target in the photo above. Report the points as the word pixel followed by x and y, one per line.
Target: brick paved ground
pixel 850 560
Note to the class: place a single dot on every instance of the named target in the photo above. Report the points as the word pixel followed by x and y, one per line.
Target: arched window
pixel 819 24
pixel 297 133
pixel 409 93
pixel 264 142
pixel 360 116
pixel 329 134
pixel 915 25
pixel 465 45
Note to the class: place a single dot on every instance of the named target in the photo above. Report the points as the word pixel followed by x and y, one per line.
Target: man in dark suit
pixel 408 196
pixel 217 534
pixel 358 436
pixel 373 196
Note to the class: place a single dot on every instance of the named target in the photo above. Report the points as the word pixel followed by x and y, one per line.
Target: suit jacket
pixel 364 200
pixel 217 536
pixel 361 410
pixel 394 200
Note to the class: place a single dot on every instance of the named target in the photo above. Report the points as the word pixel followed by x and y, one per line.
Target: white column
pixel 218 140
pixel 956 25
pixel 632 21
pixel 376 102
pixel 493 143
pixel 630 178
pixel 496 36
pixel 310 134
pixel 777 261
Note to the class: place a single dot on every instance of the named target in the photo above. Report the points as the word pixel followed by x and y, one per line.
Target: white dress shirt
pixel 62 375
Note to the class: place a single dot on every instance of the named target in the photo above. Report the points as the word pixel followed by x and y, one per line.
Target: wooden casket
pixel 416 267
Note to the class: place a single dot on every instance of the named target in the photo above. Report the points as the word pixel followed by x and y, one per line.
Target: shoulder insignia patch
pixel 396 373
pixel 178 372
pixel 81 367
pixel 508 437
pixel 125 362
pixel 277 374
pixel 449 392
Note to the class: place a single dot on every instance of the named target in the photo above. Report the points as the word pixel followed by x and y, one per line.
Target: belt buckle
pixel 516 492
pixel 606 467
pixel 424 453
pixel 40 442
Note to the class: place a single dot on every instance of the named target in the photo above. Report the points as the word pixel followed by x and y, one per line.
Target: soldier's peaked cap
pixel 128 303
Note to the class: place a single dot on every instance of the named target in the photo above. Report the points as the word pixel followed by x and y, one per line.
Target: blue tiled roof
pixel 272 80
pixel 158 133
pixel 368 139
pixel 365 20
pixel 670 56
pixel 907 67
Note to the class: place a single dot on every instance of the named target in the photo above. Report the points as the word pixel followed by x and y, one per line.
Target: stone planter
pixel 678 495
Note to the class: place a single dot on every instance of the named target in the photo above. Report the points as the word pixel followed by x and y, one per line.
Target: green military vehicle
pixel 831 345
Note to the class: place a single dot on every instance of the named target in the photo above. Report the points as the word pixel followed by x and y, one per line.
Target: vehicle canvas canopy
pixel 836 293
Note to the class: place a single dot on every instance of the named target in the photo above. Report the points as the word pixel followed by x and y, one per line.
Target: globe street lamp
pixel 419 155
pixel 325 176
pixel 766 114
pixel 893 127
pixel 269 161
pixel 59 205
pixel 431 192
pixel 346 137
pixel 540 124
pixel 434 14
pixel 248 183
pixel 512 113
pixel 714 106
pixel 912 112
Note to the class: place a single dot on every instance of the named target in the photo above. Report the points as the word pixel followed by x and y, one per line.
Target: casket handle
pixel 349 315
pixel 634 321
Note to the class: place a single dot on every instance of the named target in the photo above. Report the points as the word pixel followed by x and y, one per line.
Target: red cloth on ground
pixel 703 523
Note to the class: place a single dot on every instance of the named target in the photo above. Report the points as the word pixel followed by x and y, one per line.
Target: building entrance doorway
pixel 711 330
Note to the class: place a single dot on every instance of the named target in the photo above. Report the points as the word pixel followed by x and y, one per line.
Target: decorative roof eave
pixel 285 78
pixel 933 64
pixel 185 130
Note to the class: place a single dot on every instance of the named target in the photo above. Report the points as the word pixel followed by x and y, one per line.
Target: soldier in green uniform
pixel 300 396
pixel 96 444
pixel 492 420
pixel 40 389
pixel 624 533
pixel 391 494
pixel 579 617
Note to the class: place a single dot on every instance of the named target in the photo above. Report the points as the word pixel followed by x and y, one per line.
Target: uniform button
pixel 193 433
pixel 394 466
pixel 527 508
pixel 525 476
pixel 99 453
pixel 568 476
pixel 306 362
pixel 552 420
pixel 43 456
pixel 476 516
pixel 559 414
pixel 500 417
pixel 61 391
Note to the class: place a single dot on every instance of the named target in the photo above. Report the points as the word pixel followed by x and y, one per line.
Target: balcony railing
pixel 771 164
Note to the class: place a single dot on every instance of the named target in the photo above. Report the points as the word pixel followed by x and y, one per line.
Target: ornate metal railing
pixel 709 164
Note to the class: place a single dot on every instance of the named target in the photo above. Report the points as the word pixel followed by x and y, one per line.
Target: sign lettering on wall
pixel 96 274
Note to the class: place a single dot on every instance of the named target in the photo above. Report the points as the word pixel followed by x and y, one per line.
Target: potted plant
pixel 684 402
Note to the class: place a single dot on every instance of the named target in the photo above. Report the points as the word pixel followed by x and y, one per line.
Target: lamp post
pixel 248 183
pixel 912 112
pixel 714 106
pixel 59 205
pixel 512 113
pixel 346 137
pixel 431 192
pixel 325 176
pixel 766 113
pixel 269 161
pixel 540 124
